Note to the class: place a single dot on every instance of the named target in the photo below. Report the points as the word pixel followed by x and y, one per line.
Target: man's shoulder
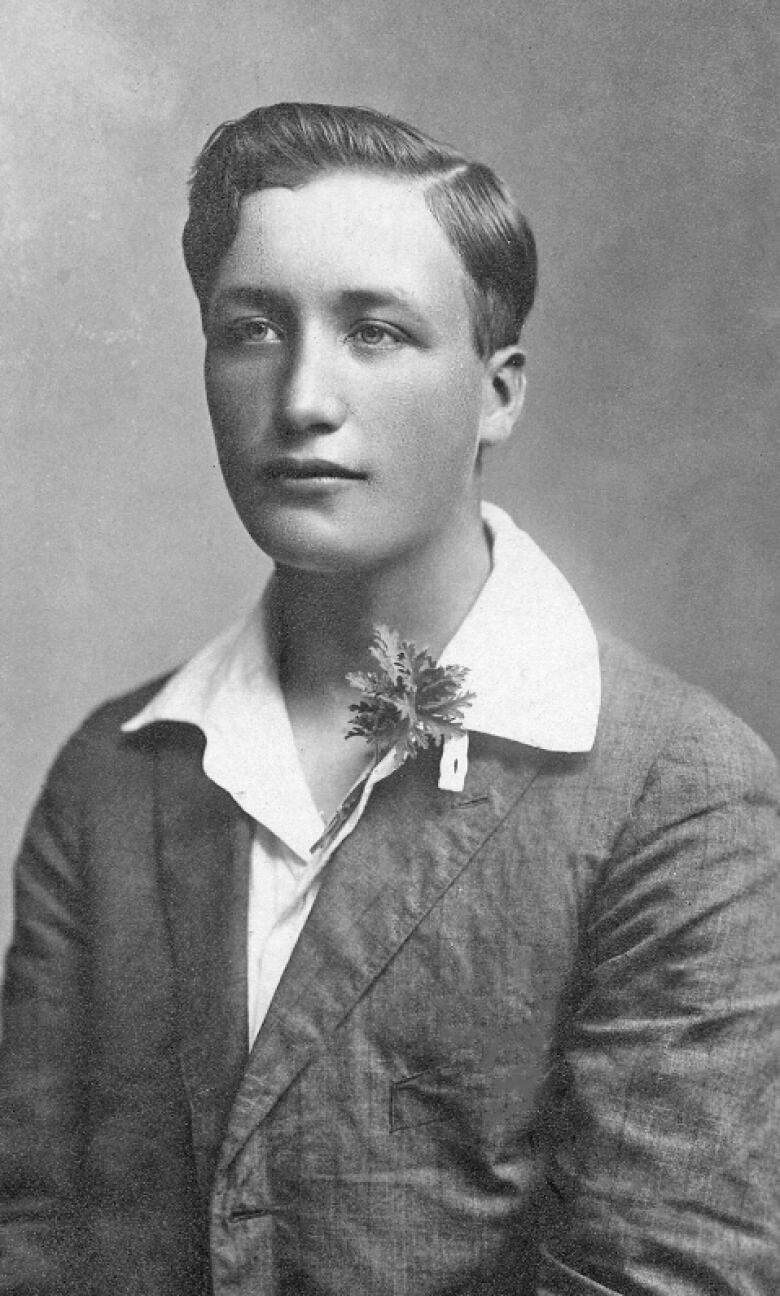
pixel 103 725
pixel 651 715
pixel 116 710
pixel 99 750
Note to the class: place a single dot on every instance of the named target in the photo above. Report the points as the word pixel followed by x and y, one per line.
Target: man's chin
pixel 310 545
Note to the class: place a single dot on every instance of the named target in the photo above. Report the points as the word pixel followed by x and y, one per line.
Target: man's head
pixel 362 293
pixel 289 145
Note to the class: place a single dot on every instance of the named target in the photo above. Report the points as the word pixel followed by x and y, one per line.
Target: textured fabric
pixel 282 889
pixel 527 1043
pixel 532 659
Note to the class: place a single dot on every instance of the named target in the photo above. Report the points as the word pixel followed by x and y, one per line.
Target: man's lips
pixel 291 469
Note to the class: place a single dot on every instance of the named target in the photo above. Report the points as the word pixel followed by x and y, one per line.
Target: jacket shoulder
pixel 102 727
pixel 650 710
pixel 99 756
pixel 115 711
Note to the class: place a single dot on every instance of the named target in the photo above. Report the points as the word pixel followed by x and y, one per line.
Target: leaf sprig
pixel 409 701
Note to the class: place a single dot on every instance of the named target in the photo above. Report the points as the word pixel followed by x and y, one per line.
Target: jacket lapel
pixel 203 847
pixel 410 845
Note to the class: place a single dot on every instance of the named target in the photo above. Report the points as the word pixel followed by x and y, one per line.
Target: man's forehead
pixel 343 192
pixel 364 233
pixel 352 213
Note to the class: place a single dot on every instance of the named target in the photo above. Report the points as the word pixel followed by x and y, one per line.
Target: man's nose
pixel 310 398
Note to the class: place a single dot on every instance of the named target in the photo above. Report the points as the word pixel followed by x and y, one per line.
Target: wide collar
pixel 527 642
pixel 530 649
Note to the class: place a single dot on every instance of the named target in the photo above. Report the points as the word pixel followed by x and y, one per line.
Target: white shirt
pixel 533 666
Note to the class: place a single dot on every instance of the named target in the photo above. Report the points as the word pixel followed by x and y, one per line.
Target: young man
pixel 288 1013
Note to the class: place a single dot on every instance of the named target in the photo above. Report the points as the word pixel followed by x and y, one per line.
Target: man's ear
pixel 503 394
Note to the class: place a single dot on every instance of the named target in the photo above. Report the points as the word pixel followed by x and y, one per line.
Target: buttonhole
pixel 248 1212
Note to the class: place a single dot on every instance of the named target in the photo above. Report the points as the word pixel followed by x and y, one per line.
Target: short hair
pixel 290 144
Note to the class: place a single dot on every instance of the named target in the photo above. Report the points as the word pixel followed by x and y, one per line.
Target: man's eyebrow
pixel 247 295
pixel 379 298
pixel 353 299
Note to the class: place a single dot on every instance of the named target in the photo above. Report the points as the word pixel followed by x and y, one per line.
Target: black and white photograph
pixel 390 888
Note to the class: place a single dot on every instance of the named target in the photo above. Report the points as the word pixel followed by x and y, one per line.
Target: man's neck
pixel 325 621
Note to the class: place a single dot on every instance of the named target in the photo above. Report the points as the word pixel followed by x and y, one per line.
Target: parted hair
pixel 290 144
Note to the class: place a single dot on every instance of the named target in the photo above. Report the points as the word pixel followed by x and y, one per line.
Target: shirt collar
pixel 231 691
pixel 527 642
pixel 530 649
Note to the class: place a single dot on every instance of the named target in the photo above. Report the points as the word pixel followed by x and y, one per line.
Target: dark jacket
pixel 528 1043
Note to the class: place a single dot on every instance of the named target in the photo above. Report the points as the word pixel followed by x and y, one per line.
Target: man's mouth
pixel 288 468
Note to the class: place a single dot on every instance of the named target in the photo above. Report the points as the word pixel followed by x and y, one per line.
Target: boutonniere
pixel 408 703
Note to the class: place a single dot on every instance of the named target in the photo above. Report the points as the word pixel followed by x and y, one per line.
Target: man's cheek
pixel 232 392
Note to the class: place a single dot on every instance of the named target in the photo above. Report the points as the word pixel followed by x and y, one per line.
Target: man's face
pixel 347 398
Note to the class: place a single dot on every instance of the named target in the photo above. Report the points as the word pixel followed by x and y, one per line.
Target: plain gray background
pixel 640 137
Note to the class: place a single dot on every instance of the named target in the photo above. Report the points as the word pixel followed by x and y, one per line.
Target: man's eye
pixel 375 336
pixel 252 330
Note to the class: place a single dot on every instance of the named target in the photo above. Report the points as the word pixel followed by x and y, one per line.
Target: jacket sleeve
pixel 666 1161
pixel 42 1055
